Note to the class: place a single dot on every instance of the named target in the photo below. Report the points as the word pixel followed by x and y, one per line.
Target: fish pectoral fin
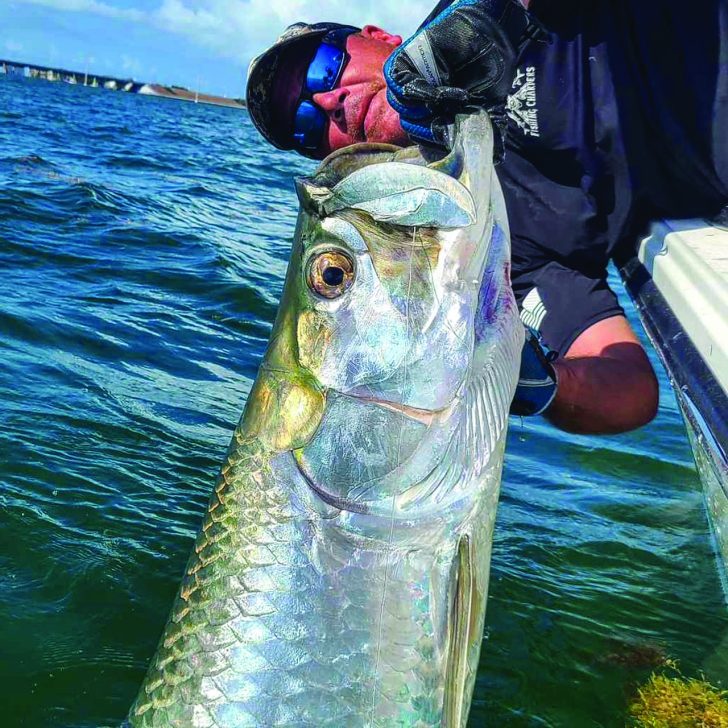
pixel 465 622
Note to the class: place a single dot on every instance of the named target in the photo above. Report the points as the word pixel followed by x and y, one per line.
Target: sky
pixel 203 44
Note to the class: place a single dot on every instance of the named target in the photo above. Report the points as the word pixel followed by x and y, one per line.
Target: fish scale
pixel 265 649
pixel 341 571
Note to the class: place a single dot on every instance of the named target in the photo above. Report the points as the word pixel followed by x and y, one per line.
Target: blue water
pixel 143 245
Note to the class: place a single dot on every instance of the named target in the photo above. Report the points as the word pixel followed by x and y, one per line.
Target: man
pixel 615 121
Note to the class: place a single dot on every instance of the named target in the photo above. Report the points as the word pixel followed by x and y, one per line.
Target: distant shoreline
pixel 182 94
pixel 128 85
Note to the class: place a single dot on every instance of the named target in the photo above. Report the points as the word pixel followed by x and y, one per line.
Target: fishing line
pixel 399 462
pixel 438 300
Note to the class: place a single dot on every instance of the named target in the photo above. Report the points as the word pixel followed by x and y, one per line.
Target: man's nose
pixel 332 102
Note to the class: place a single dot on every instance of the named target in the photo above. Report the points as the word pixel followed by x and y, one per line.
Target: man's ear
pixel 372 31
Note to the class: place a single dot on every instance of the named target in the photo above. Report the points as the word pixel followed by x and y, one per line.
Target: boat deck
pixel 679 283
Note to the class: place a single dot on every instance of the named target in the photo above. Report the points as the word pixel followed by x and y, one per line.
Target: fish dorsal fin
pixel 404 194
pixel 461 622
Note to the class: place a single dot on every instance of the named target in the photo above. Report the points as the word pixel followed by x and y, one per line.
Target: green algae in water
pixel 679 702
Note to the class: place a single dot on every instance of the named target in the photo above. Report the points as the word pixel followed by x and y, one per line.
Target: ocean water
pixel 143 245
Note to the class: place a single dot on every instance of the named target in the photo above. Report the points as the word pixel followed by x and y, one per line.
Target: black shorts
pixel 621 119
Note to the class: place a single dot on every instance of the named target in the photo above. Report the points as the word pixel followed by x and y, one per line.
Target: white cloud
pixel 91 6
pixel 13 47
pixel 241 29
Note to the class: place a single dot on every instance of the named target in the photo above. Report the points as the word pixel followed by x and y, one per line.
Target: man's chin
pixel 381 123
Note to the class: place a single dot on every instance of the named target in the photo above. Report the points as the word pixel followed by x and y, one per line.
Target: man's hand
pixel 537 380
pixel 462 59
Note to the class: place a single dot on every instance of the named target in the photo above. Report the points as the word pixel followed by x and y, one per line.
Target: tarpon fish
pixel 341 572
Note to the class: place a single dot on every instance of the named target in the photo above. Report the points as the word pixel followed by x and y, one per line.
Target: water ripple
pixel 143 246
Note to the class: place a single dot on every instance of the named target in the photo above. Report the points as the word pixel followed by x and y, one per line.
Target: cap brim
pixel 263 74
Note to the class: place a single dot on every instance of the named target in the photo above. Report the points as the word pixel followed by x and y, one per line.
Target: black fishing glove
pixel 463 59
pixel 537 381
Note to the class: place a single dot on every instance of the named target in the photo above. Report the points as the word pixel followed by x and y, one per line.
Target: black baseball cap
pixel 294 47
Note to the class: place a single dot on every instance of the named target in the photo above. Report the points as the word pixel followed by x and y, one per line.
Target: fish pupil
pixel 333 276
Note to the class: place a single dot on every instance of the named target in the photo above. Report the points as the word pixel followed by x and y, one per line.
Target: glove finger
pixel 499 121
pixel 435 133
pixel 424 102
pixel 419 133
pixel 398 73
pixel 449 100
pixel 417 114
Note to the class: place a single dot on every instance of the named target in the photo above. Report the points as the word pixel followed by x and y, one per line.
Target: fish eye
pixel 330 273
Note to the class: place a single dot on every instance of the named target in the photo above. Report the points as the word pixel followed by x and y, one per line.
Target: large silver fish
pixel 341 573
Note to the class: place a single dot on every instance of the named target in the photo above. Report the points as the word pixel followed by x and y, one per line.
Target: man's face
pixel 357 108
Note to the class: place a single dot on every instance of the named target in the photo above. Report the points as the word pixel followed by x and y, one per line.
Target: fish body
pixel 340 575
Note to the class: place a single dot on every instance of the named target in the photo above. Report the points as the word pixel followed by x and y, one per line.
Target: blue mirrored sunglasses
pixel 324 72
